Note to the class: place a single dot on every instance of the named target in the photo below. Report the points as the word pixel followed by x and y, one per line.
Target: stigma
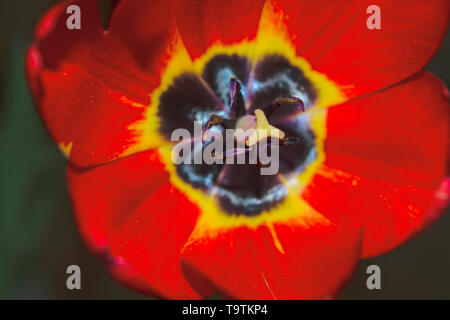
pixel 263 130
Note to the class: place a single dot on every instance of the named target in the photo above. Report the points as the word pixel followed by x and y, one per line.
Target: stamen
pixel 214 120
pixel 284 107
pixel 289 100
pixel 289 141
pixel 237 104
pixel 230 153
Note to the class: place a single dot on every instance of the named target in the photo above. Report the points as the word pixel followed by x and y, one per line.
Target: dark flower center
pixel 228 92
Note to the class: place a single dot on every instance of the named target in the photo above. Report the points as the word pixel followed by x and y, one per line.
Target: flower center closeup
pixel 253 131
pixel 235 92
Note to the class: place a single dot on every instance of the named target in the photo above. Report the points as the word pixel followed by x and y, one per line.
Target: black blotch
pixel 245 181
pixel 274 66
pixel 294 157
pixel 201 176
pixel 180 103
pixel 239 66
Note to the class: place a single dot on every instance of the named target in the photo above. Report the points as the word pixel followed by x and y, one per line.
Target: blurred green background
pixel 38 237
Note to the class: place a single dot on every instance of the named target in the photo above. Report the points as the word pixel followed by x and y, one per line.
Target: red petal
pixel 281 261
pixel 146 28
pixel 91 87
pixel 129 214
pixel 150 241
pixel 334 38
pixel 109 190
pixel 203 23
pixel 86 117
pixel 386 156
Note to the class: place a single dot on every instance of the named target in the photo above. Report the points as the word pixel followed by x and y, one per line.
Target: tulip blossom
pixel 365 129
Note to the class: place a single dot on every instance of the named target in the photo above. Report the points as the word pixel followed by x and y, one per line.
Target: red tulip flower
pixel 367 173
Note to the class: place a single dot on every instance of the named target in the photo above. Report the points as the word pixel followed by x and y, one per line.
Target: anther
pixel 237 103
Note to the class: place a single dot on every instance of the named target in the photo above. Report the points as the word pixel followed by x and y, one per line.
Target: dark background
pixel 38 237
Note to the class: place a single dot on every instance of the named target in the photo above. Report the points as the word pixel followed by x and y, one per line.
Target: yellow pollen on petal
pixel 268 286
pixel 125 100
pixel 65 148
pixel 338 175
pixel 276 241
